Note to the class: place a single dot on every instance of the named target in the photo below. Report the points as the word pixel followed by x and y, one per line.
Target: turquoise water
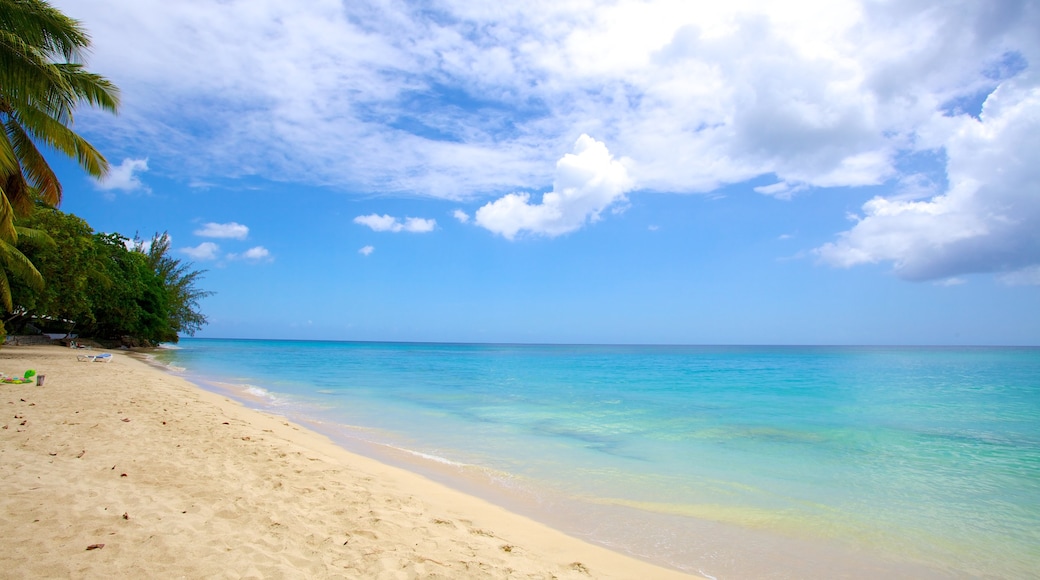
pixel 730 461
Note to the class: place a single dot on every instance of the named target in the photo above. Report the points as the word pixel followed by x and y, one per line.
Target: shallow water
pixel 784 462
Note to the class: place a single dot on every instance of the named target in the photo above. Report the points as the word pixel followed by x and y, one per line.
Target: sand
pixel 176 481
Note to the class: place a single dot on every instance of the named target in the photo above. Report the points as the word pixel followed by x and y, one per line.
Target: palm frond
pixel 8 232
pixel 49 130
pixel 35 169
pixel 34 236
pixel 5 291
pixel 8 158
pixel 15 262
pixel 44 27
pixel 90 88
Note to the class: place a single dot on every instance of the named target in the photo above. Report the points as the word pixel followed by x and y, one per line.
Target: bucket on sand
pixel 39 380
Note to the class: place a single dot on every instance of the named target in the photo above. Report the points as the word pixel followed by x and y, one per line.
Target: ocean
pixel 729 461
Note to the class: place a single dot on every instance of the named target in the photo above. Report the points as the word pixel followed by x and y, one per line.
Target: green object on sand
pixel 30 373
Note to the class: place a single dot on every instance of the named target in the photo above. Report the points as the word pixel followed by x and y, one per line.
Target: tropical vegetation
pixel 104 285
pixel 42 81
pixel 54 269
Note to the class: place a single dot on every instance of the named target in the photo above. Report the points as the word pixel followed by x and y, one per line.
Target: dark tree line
pixel 104 286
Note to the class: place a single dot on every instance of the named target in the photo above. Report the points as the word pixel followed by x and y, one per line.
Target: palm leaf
pixel 15 261
pixel 47 129
pixel 44 27
pixel 8 158
pixel 36 171
pixel 8 231
pixel 34 236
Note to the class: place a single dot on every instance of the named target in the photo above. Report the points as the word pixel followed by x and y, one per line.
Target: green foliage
pixel 41 84
pixel 14 261
pixel 106 285
pixel 178 280
pixel 63 255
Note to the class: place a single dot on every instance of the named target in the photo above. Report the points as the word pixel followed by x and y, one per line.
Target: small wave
pixel 152 360
pixel 252 391
pixel 429 457
pixel 258 391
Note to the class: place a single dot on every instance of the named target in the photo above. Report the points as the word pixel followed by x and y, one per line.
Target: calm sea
pixel 734 462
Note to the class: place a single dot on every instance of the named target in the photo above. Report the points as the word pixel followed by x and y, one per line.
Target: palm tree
pixel 41 83
pixel 15 262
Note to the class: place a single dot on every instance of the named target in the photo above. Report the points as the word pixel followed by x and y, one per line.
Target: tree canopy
pixel 104 285
pixel 54 269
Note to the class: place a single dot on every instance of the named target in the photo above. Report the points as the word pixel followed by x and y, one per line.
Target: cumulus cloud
pixel 254 254
pixel 460 215
pixel 986 220
pixel 125 176
pixel 257 253
pixel 203 252
pixel 367 250
pixel 386 223
pixel 819 93
pixel 232 230
pixel 479 101
pixel 587 182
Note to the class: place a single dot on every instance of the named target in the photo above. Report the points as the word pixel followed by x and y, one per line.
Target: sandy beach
pixel 121 469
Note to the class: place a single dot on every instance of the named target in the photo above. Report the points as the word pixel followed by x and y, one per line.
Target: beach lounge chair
pixel 103 357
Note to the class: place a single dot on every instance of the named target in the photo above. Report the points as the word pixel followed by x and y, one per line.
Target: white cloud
pixel 987 219
pixel 781 190
pixel 254 254
pixel 367 250
pixel 817 93
pixel 479 99
pixel 204 251
pixel 386 223
pixel 588 181
pixel 1028 276
pixel 379 223
pixel 460 215
pixel 257 253
pixel 419 225
pixel 232 230
pixel 125 176
pixel 955 281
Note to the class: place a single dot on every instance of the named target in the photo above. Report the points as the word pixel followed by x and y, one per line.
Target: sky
pixel 656 171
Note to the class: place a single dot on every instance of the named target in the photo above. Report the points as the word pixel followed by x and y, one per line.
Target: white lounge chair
pixel 103 357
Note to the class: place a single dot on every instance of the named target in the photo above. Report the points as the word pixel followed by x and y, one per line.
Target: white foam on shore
pixel 253 391
pixel 429 457
pixel 152 360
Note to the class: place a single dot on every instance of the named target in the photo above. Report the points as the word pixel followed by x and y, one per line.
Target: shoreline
pixel 175 479
pixel 666 534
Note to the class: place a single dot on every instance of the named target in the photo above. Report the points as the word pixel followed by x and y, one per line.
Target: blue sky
pixel 623 172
